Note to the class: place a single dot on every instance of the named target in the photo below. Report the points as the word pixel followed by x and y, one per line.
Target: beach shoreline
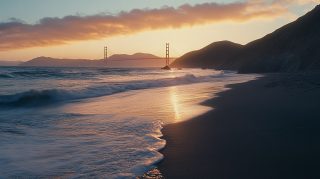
pixel 258 129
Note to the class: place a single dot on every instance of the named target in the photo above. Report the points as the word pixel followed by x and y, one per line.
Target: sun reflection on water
pixel 175 102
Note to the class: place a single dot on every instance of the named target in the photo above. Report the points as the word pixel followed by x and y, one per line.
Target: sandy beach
pixel 266 128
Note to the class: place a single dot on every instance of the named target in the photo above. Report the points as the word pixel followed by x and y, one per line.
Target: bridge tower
pixel 105 53
pixel 167 58
pixel 167 55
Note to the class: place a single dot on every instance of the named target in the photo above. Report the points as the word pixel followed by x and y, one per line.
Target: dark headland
pixel 294 47
pixel 266 128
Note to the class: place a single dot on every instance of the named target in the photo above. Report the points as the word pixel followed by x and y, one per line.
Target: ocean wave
pixel 34 98
pixel 6 75
pixel 49 73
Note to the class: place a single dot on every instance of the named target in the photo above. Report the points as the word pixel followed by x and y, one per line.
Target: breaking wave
pixel 6 75
pixel 43 97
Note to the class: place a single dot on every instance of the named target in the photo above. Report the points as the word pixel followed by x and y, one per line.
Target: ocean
pixel 96 122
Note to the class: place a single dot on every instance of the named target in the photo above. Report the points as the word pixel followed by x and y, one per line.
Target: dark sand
pixel 267 128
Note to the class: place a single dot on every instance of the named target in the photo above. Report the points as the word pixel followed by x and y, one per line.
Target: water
pixel 95 122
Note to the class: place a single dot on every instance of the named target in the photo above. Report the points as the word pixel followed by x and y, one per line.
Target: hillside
pixel 293 47
pixel 215 55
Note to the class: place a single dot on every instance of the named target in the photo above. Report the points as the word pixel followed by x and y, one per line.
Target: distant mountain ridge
pixel 117 60
pixel 55 62
pixel 9 63
pixel 135 56
pixel 137 60
pixel 293 47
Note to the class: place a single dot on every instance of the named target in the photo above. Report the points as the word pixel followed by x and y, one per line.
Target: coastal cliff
pixel 293 47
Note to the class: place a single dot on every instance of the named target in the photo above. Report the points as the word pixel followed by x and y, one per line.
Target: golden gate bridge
pixel 167 58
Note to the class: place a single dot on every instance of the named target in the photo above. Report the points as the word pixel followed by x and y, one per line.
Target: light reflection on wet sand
pixel 175 103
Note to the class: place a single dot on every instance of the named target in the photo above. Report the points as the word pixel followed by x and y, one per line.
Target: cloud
pixel 300 2
pixel 57 31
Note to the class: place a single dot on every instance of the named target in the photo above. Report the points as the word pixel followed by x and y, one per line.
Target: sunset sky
pixel 81 28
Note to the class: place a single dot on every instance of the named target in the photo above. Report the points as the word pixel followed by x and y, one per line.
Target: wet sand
pixel 266 128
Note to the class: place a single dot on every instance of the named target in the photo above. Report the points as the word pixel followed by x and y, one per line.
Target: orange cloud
pixel 56 31
pixel 296 1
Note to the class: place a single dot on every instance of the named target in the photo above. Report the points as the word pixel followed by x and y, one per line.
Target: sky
pixel 81 28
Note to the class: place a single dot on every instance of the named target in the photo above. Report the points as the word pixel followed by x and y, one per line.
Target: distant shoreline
pixel 266 128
